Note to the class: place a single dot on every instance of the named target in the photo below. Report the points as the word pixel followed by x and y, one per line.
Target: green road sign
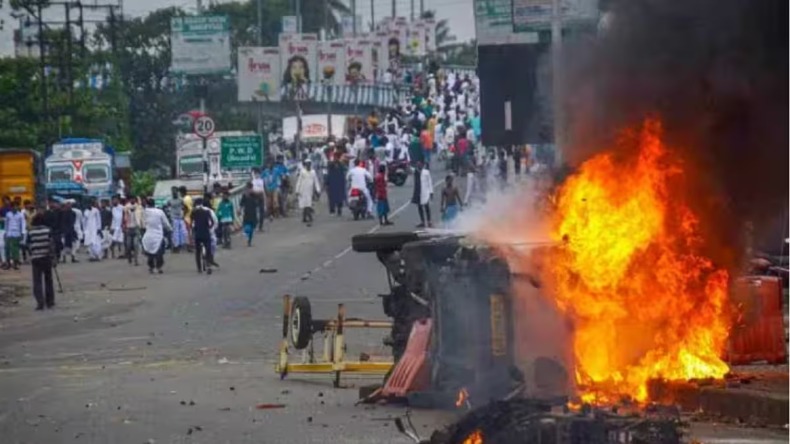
pixel 240 152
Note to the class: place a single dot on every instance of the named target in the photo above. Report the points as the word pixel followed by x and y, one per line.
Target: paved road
pixel 124 351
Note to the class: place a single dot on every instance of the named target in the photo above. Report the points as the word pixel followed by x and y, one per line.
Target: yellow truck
pixel 21 174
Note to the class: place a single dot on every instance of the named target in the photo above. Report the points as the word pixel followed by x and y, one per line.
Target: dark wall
pixel 509 73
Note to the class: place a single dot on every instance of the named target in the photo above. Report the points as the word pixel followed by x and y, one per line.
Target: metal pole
pixel 69 50
pixel 412 10
pixel 393 9
pixel 354 17
pixel 422 8
pixel 260 43
pixel 372 16
pixel 44 99
pixel 326 20
pixel 298 16
pixel 556 66
pixel 205 149
pixel 329 109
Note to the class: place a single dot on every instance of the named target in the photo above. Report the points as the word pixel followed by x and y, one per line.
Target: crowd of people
pixel 437 128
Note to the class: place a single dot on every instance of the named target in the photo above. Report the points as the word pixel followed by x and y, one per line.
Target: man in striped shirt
pixel 41 254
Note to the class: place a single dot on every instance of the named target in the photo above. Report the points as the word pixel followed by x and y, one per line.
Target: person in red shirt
pixel 382 203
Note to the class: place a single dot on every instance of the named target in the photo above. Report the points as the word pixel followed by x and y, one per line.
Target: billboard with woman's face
pixel 299 55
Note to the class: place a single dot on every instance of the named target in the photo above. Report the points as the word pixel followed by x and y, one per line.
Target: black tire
pixel 368 243
pixel 301 318
pixel 399 180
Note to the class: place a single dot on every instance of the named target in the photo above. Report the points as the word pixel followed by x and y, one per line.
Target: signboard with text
pixel 238 152
pixel 200 44
pixel 259 74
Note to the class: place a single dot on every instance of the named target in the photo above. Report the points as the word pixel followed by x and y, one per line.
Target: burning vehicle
pixel 620 294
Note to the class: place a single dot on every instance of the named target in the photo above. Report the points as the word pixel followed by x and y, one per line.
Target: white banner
pixel 332 61
pixel 299 56
pixel 314 127
pixel 200 44
pixel 259 74
pixel 359 61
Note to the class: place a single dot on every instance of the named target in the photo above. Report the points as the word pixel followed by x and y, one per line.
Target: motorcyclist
pixel 358 177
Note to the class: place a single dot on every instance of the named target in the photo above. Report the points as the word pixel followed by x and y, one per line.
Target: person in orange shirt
pixel 426 140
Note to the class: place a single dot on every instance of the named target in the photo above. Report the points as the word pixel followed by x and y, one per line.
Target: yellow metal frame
pixel 333 353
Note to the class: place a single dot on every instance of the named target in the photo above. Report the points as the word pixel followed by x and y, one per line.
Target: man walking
pixel 93 224
pixel 42 259
pixel 15 231
pixel 336 185
pixel 258 193
pixel 116 228
pixel 156 224
pixel 307 186
pixel 423 192
pixel 250 206
pixel 132 221
pixel 203 223
pixel 177 210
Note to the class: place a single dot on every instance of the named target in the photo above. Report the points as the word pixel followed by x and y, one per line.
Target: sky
pixel 459 13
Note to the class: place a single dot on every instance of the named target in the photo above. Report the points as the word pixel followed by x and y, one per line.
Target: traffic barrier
pixel 412 372
pixel 759 330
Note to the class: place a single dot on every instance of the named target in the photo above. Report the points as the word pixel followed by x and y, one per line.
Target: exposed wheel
pixel 366 243
pixel 301 322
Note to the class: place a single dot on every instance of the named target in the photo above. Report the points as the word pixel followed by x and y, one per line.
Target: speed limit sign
pixel 204 126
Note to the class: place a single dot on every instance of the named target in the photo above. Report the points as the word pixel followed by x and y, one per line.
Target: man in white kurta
pixel 306 186
pixel 156 223
pixel 92 227
pixel 116 227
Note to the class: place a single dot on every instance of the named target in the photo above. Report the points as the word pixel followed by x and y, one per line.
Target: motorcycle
pixel 357 203
pixel 398 172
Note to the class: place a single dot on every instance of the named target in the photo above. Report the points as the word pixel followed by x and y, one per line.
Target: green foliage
pixel 143 183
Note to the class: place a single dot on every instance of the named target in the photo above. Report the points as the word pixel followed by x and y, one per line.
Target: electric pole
pixel 422 8
pixel 556 68
pixel 393 8
pixel 412 10
pixel 372 16
pixel 354 17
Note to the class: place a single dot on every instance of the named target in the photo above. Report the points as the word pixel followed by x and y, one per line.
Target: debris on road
pixel 269 406
pixel 268 270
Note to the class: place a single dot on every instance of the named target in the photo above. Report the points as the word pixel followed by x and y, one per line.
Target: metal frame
pixel 332 359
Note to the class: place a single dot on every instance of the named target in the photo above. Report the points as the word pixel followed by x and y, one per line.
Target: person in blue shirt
pixel 274 176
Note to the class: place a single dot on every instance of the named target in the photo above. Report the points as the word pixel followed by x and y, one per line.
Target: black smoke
pixel 716 73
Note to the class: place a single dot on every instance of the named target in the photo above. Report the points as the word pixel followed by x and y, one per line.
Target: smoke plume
pixel 715 72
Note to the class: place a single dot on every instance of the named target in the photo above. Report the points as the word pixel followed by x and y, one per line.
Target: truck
pixel 20 174
pixel 90 162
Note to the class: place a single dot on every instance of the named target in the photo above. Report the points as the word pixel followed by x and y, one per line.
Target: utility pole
pixel 298 16
pixel 393 8
pixel 422 8
pixel 260 43
pixel 326 20
pixel 44 101
pixel 556 81
pixel 69 50
pixel 412 10
pixel 354 17
pixel 372 16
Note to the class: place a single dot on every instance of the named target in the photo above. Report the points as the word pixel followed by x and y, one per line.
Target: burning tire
pixel 301 330
pixel 370 243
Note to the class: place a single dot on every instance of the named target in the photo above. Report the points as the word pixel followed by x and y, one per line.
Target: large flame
pixel 645 302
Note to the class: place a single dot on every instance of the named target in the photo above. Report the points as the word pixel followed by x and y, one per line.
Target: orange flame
pixel 646 304
pixel 463 396
pixel 475 437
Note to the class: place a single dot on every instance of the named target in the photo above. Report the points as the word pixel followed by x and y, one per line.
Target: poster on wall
pixel 259 74
pixel 416 39
pixel 298 63
pixel 400 27
pixel 331 61
pixel 382 57
pixel 359 61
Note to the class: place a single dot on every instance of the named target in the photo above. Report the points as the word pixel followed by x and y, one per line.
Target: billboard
pixel 494 24
pixel 259 74
pixel 416 39
pixel 298 60
pixel 430 35
pixel 332 61
pixel 359 61
pixel 200 44
pixel 536 15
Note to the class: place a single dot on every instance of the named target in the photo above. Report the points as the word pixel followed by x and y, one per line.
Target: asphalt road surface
pixel 127 357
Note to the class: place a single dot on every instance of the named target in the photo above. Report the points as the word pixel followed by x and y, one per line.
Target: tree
pixel 443 35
